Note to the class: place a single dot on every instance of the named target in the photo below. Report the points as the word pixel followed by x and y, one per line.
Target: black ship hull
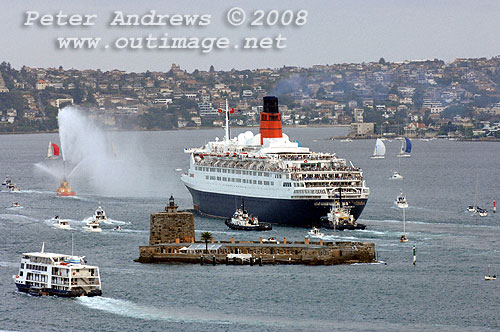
pixel 291 212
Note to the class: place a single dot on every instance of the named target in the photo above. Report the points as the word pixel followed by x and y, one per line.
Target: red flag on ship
pixel 220 111
pixel 56 149
pixel 231 111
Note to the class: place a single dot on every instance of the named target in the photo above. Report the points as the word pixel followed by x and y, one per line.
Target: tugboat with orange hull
pixel 64 189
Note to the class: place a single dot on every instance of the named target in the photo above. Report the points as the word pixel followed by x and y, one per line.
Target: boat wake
pixel 17 217
pixel 137 311
pixel 108 221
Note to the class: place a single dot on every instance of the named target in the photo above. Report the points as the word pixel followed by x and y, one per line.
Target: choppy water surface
pixel 445 291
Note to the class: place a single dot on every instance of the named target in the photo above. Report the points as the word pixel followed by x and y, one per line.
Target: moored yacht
pixel 43 273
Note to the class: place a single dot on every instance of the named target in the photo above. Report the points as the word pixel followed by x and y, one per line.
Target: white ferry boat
pixel 279 180
pixel 43 273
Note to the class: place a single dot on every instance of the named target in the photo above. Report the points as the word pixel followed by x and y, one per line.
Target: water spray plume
pixel 91 163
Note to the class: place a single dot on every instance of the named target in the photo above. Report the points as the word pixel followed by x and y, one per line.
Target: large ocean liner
pixel 279 181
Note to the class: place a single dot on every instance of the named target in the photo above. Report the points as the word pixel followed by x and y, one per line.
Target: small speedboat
pixel 396 176
pixel 12 187
pixel 92 227
pixel 117 228
pixel 16 205
pixel 61 223
pixel 314 232
pixel 401 201
pixel 403 238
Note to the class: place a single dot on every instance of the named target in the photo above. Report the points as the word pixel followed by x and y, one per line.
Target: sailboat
pixel 474 208
pixel 403 204
pixel 379 151
pixel 489 276
pixel 53 151
pixel 405 148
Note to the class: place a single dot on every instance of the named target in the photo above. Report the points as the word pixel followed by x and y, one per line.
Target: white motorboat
pixel 396 176
pixel 16 205
pixel 61 223
pixel 117 228
pixel 401 201
pixel 43 273
pixel 100 215
pixel 347 140
pixel 12 187
pixel 93 227
pixel 379 151
pixel 314 232
pixel 403 204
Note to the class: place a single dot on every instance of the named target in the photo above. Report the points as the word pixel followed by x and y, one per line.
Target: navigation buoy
pixel 414 249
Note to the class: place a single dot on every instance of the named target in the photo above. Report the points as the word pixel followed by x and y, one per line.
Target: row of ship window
pixel 34 267
pixel 219 178
pixel 235 171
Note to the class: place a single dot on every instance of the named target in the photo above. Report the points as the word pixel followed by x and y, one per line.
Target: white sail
pixel 379 151
pixel 49 152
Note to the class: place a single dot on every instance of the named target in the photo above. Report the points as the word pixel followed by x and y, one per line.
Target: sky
pixel 334 31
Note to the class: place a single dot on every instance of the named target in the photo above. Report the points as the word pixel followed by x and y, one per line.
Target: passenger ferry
pixel 43 273
pixel 279 180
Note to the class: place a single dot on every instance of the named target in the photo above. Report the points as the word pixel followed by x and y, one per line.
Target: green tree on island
pixel 206 236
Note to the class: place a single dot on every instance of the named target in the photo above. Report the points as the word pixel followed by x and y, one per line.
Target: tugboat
pixel 43 273
pixel 340 219
pixel 100 215
pixel 243 222
pixel 64 189
pixel 314 232
pixel 60 223
pixel 92 227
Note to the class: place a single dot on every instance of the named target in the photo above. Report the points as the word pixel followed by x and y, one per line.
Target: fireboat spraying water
pixel 64 189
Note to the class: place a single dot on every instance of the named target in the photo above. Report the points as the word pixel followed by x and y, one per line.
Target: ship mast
pixel 226 138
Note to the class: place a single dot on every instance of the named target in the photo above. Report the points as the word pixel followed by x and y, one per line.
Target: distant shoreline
pixel 175 129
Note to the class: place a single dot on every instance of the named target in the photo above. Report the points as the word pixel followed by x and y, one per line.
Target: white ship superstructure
pixel 279 181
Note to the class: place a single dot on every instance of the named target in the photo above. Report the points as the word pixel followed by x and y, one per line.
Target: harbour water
pixel 444 291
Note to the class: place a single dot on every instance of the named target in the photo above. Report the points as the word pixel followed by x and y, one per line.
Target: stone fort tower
pixel 171 226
